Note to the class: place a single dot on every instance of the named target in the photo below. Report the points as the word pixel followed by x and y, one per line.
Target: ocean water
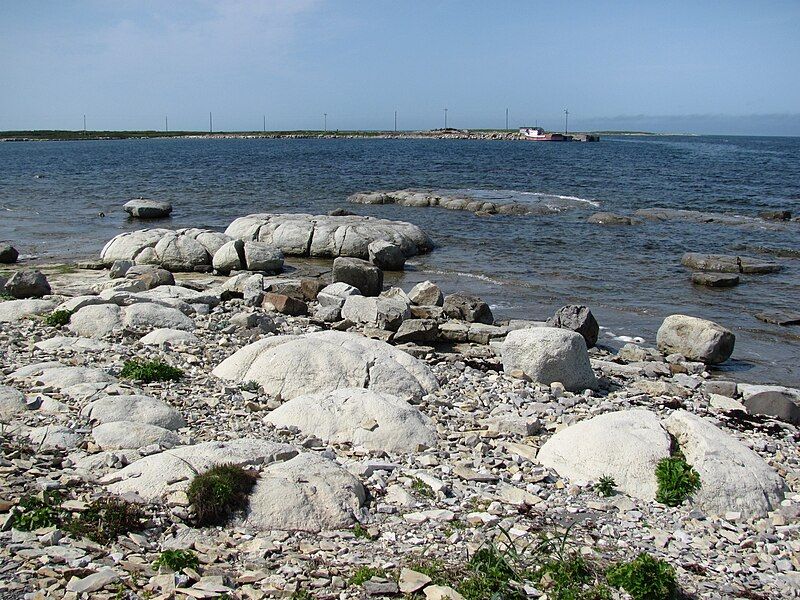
pixel 525 266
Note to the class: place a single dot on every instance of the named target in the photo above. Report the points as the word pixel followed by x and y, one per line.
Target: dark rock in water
pixel 609 218
pixel 579 319
pixel 467 308
pixel 340 212
pixel 360 274
pixel 284 304
pixel 718 280
pixel 728 263
pixel 386 256
pixel 776 215
pixel 779 317
pixel 8 254
pixel 28 284
pixel 143 208
pixel 781 404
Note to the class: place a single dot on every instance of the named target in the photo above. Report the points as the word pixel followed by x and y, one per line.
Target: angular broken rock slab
pixel 329 360
pixel 360 417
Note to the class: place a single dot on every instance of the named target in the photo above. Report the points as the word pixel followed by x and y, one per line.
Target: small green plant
pixel 363 574
pixel 605 486
pixel 491 572
pixel 302 594
pixel 422 488
pixel 150 371
pixel 6 296
pixel 220 492
pixel 251 386
pixel 176 560
pixel 106 519
pixel 644 578
pixel 58 318
pixel 676 479
pixel 361 532
pixel 33 512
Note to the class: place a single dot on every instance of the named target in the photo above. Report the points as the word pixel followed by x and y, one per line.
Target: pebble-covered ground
pixel 482 481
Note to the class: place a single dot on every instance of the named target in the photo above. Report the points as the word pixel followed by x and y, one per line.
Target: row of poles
pixel 325 121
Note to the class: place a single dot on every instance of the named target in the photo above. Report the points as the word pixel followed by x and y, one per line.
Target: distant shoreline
pixel 470 134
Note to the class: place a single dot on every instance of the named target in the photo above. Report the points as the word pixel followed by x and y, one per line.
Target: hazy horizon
pixel 690 67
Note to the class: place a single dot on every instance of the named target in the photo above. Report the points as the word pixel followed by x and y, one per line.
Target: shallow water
pixel 526 266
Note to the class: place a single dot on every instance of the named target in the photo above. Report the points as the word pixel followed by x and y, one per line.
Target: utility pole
pixel 395 121
pixel 445 118
pixel 265 123
pixel 325 115
pixel 166 123
pixel 566 121
pixel 210 124
pixel 84 123
pixel 506 119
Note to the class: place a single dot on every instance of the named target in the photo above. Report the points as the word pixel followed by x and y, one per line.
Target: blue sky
pixel 702 66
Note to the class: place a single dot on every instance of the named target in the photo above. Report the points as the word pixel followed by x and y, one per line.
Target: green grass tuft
pixel 645 578
pixel 422 488
pixel 58 318
pixel 677 480
pixel 150 371
pixel 33 512
pixel 220 492
pixel 363 574
pixel 605 486
pixel 176 560
pixel 302 594
pixel 361 532
pixel 106 519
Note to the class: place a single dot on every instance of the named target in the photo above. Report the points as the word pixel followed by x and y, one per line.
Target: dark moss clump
pixel 220 492
pixel 58 318
pixel 150 371
pixel 106 519
pixel 676 479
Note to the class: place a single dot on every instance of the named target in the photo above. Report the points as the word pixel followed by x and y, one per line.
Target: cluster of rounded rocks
pixel 410 413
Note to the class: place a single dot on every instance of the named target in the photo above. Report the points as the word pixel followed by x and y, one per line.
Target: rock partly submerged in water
pixel 728 263
pixel 695 339
pixel 578 319
pixel 716 280
pixel 144 208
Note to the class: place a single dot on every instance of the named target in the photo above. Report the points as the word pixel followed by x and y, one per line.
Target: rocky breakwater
pixel 371 467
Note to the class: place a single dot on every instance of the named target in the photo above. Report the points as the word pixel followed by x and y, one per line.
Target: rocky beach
pixel 391 442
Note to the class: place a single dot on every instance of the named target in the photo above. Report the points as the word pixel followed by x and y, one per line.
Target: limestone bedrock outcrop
pixel 326 236
pixel 328 360
pixel 144 208
pixel 547 355
pixel 732 477
pixel 357 416
pixel 625 445
pixel 175 250
pixel 774 400
pixel 102 320
pixel 695 339
pixel 119 435
pixel 306 493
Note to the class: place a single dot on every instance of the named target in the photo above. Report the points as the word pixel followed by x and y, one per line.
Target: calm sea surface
pixel 525 266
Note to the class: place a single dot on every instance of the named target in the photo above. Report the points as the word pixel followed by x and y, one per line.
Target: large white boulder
pixel 120 435
pixel 97 321
pixel 306 493
pixel 149 315
pixel 12 402
pixel 129 245
pixel 76 382
pixel 12 311
pixel 159 337
pixel 360 417
pixel 380 312
pixel 328 360
pixel 549 354
pixel 732 477
pixel 695 339
pixel 625 445
pixel 157 476
pixel 74 344
pixel 229 257
pixel 141 409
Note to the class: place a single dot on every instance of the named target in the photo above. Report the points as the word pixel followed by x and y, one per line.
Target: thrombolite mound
pixel 72 381
pixel 734 478
pixel 157 476
pixel 102 320
pixel 626 445
pixel 306 493
pixel 12 311
pixel 327 236
pixel 120 435
pixel 141 409
pixel 328 360
pixel 12 402
pixel 360 417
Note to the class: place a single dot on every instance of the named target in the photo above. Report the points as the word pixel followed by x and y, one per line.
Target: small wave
pixel 594 203
pixel 559 200
pixel 485 278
